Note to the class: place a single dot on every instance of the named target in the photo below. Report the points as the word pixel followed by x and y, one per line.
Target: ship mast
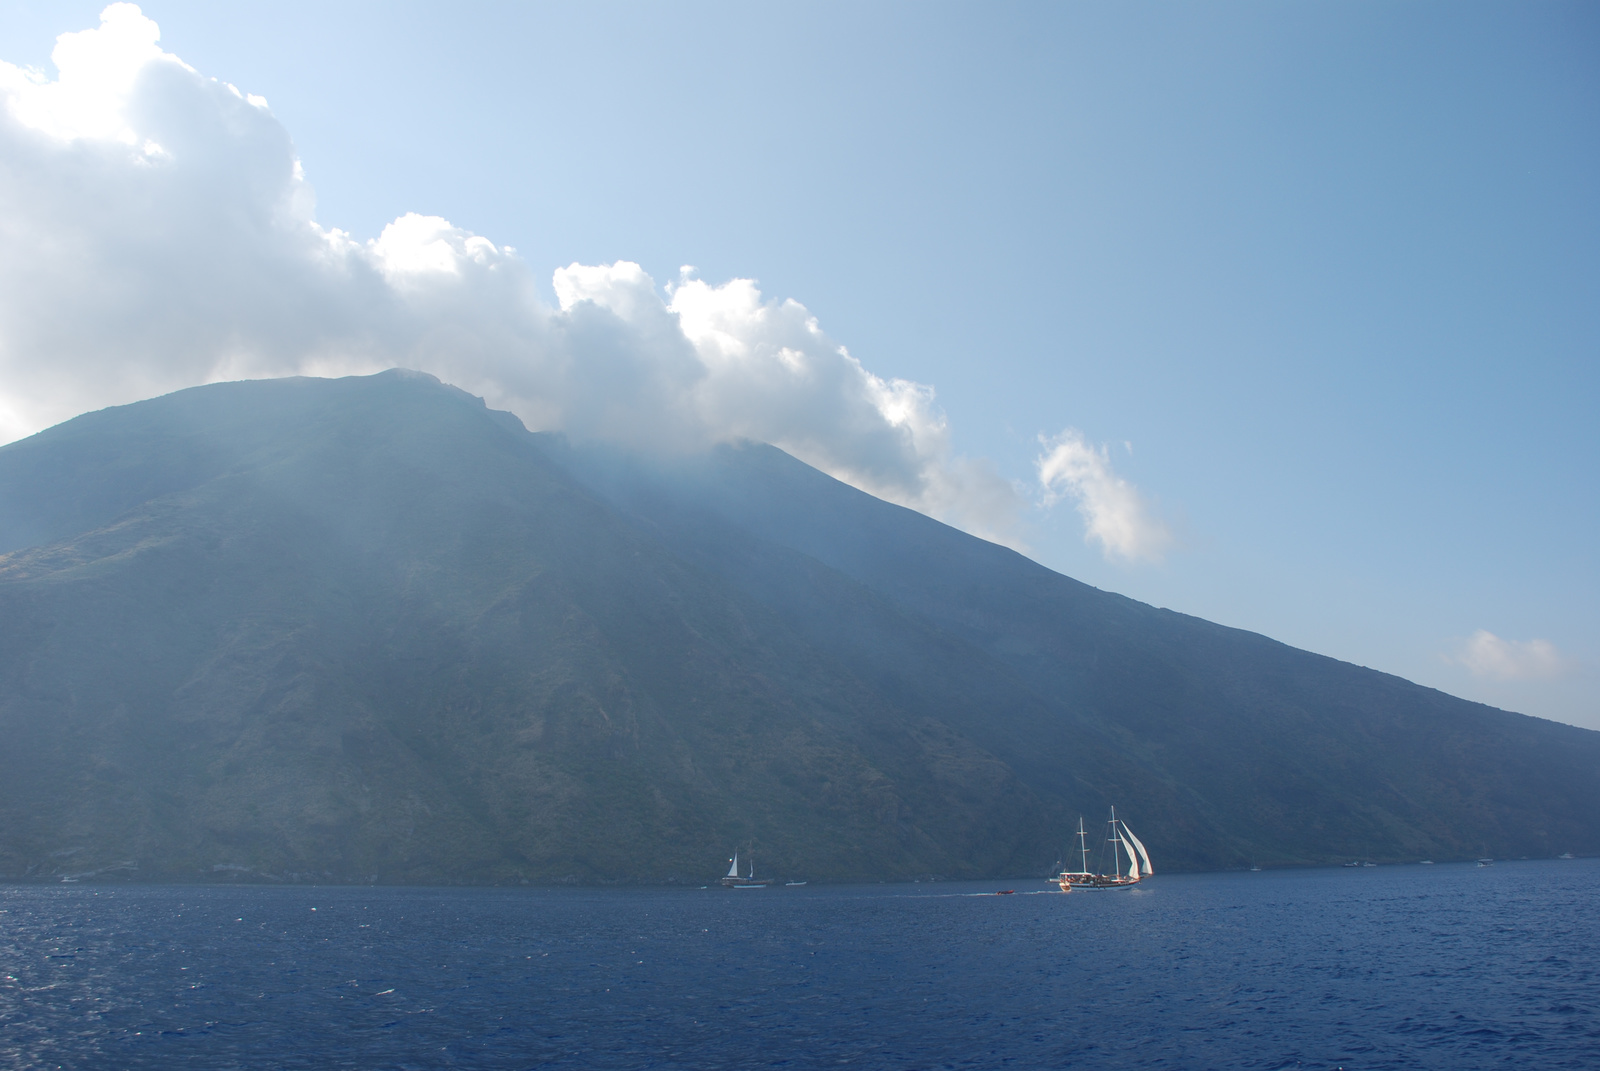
pixel 1119 844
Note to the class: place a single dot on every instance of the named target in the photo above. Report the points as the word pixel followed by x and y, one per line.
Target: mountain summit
pixel 369 630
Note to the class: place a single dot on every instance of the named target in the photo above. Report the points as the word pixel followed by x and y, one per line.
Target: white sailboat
pixel 1121 843
pixel 733 880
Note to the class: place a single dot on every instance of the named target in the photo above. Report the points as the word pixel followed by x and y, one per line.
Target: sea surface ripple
pixel 1444 966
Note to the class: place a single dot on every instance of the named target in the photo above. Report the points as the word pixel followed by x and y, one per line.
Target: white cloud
pixel 1484 654
pixel 98 69
pixel 157 231
pixel 1115 514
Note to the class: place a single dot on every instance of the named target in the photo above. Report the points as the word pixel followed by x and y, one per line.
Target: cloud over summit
pixel 157 231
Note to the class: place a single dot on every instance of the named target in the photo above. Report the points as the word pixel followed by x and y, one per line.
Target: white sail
pixel 1133 860
pixel 1144 856
pixel 733 871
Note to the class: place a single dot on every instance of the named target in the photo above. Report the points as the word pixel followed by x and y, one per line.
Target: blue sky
pixel 1320 280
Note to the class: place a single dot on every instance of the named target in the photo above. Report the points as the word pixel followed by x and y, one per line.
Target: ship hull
pixel 1094 881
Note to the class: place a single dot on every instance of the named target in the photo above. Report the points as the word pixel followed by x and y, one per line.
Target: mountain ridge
pixel 368 629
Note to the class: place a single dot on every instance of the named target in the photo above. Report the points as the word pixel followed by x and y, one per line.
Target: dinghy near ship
pixel 1120 843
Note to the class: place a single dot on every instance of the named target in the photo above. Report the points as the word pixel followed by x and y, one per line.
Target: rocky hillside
pixel 367 629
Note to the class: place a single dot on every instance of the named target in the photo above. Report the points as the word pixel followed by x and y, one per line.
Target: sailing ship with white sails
pixel 1121 844
pixel 733 880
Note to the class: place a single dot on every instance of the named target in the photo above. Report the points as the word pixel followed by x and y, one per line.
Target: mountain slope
pixel 366 629
pixel 1235 746
pixel 382 638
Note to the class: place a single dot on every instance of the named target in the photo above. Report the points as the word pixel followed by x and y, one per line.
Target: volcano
pixel 369 630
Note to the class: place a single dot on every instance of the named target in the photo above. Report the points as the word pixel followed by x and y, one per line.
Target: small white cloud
pixel 419 245
pixel 1115 514
pixel 1484 654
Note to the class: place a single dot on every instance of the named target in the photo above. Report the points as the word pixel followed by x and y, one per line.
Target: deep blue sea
pixel 1444 966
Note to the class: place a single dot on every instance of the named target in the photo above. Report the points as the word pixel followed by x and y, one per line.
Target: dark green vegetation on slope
pixel 366 629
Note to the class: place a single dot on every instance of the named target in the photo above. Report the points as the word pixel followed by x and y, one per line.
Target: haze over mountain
pixel 368 629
